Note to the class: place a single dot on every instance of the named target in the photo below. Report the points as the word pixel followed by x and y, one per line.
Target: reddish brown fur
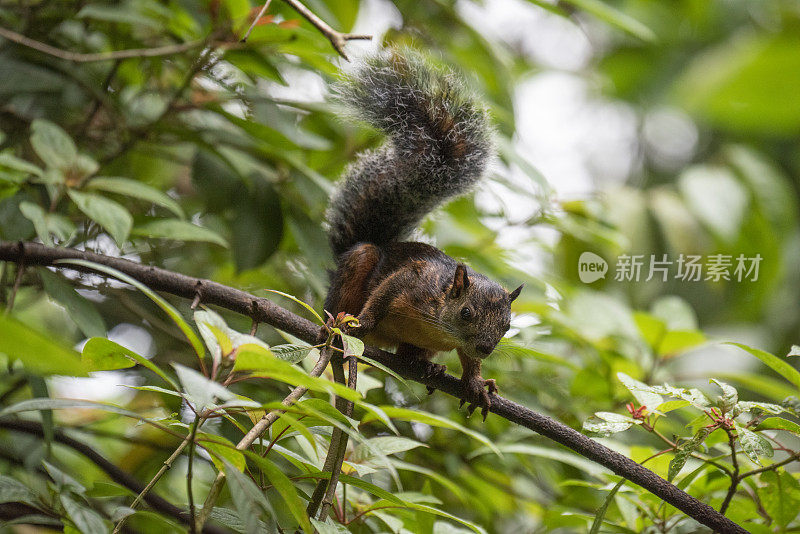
pixel 359 265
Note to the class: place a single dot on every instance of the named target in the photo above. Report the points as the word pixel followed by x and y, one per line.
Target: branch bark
pixel 265 311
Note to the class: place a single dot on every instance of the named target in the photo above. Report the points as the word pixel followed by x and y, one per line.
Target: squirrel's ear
pixel 514 294
pixel 460 281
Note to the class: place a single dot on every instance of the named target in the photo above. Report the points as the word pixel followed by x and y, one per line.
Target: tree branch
pixel 734 476
pixel 337 39
pixel 79 57
pixel 326 488
pixel 265 311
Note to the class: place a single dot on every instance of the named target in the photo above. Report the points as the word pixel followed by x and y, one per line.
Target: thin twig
pixel 164 468
pixel 189 472
pixel 783 462
pixel 734 476
pixel 15 289
pixel 255 20
pixel 79 57
pixel 337 39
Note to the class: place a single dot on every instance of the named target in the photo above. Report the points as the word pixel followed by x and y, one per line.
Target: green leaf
pixel 47 224
pixel 291 353
pixel 36 405
pixel 298 301
pixel 744 84
pixel 52 144
pixel 454 488
pixel 419 416
pixel 135 189
pixel 562 456
pixel 781 367
pixel 366 486
pixel 38 353
pixel 678 341
pixel 221 451
pixel 717 198
pixel 780 496
pixel 9 161
pixel 778 423
pixel 693 396
pixel 214 331
pixel 63 481
pixel 435 511
pixel 87 520
pixel 643 393
pixel 286 489
pixel 727 401
pixel 286 421
pixel 618 19
pixel 601 512
pixel 685 451
pixel 102 489
pixel 329 527
pixel 107 213
pixel 80 310
pixel 124 13
pixel 100 354
pixel 179 231
pixel 607 423
pixel 163 304
pixel 668 406
pixel 749 406
pixel 12 490
pixel 256 225
pixel 385 445
pixel 199 390
pixel 261 362
pixel 650 327
pixel 247 498
pixel 753 445
pixel 352 346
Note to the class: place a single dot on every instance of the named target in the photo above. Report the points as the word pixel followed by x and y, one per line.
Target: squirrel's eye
pixel 466 314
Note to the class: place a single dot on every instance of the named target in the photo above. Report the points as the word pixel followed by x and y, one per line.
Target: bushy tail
pixel 438 146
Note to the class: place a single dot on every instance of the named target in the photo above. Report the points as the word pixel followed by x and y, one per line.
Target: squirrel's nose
pixel 485 348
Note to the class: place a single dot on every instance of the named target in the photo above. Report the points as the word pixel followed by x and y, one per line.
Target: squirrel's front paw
pixel 476 392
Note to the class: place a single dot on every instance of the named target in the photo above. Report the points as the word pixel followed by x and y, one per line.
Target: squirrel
pixel 407 294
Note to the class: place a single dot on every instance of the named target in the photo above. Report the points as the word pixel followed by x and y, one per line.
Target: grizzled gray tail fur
pixel 438 146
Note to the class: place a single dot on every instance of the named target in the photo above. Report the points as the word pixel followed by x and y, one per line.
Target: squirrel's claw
pixel 433 370
pixel 477 393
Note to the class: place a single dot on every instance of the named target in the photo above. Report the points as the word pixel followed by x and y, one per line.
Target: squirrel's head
pixel 478 310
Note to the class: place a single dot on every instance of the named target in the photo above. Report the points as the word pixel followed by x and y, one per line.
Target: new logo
pixel 591 267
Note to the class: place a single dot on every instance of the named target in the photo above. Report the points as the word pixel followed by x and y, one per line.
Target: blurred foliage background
pixel 624 128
